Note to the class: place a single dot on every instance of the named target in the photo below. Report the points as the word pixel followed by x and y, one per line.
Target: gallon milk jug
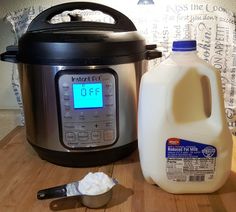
pixel 184 142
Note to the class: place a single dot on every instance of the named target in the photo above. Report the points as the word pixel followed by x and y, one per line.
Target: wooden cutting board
pixel 23 173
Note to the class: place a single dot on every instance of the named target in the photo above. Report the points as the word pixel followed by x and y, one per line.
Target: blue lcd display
pixel 87 95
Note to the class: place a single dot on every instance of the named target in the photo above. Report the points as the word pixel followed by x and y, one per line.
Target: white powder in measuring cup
pixel 95 183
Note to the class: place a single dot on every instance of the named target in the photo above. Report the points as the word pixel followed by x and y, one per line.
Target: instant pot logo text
pixel 91 78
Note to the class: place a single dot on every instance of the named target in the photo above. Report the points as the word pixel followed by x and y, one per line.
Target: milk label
pixel 189 161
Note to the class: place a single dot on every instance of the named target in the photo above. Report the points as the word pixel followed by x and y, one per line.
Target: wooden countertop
pixel 23 173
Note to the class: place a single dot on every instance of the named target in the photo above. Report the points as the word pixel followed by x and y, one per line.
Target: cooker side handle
pixel 42 21
pixel 10 55
pixel 152 52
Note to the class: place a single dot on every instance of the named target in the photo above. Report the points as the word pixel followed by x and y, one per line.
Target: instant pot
pixel 79 83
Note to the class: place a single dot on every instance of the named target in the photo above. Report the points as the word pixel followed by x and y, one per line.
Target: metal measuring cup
pixel 71 189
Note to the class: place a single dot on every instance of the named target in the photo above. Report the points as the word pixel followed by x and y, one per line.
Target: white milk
pixel 184 142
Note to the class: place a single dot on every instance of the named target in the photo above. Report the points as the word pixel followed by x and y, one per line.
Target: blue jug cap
pixel 184 45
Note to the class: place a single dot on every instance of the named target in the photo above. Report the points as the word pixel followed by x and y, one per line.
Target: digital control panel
pixel 88 108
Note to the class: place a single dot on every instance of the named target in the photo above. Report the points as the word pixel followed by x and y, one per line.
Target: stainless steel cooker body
pixel 79 83
pixel 43 113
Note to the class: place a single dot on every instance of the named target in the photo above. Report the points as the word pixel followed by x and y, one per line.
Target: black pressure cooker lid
pixel 82 48
pixel 79 42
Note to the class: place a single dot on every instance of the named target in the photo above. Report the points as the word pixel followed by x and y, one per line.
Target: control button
pixel 96 114
pixel 81 116
pixel 66 96
pixel 109 100
pixel 98 126
pixel 96 135
pixel 109 87
pixel 67 107
pixel 70 136
pixel 109 124
pixel 67 114
pixel 108 135
pixel 69 126
pixel 81 126
pixel 109 113
pixel 83 136
pixel 109 92
pixel 65 86
pixel 108 84
pixel 109 104
pixel 109 95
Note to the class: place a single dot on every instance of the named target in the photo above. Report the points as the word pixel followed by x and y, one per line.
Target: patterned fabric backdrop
pixel 212 26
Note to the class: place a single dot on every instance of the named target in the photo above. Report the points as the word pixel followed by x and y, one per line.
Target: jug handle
pixel 216 94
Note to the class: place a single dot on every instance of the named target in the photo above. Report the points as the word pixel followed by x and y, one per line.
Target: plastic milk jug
pixel 184 142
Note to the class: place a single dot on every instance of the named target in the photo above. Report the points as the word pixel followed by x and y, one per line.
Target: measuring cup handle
pixel 41 22
pixel 54 192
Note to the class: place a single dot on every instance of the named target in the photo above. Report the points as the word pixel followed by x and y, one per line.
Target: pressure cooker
pixel 79 83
